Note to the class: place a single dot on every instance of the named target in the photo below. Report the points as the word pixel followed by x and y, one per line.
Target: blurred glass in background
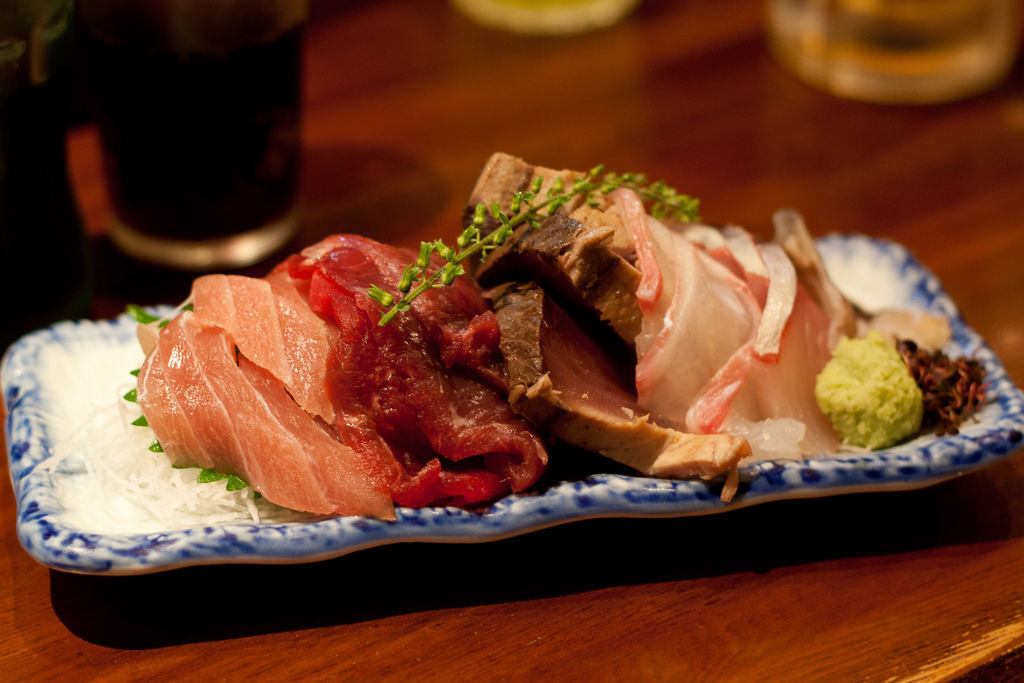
pixel 896 51
pixel 546 17
pixel 198 105
pixel 43 262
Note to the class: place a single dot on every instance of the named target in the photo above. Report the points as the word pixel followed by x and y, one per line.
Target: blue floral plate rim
pixel 925 461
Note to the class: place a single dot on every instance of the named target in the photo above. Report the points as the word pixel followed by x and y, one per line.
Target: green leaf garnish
pixel 664 201
pixel 132 395
pixel 235 484
pixel 144 317
pixel 135 372
pixel 208 475
pixel 141 421
pixel 140 314
pixel 157 448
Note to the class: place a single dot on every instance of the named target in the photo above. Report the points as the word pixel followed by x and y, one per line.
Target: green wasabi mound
pixel 868 393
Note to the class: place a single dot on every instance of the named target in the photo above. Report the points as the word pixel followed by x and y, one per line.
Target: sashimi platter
pixel 586 348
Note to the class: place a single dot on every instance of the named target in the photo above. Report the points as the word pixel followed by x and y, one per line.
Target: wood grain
pixel 404 101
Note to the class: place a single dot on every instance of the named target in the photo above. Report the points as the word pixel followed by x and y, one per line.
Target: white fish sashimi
pixel 784 388
pixel 733 342
pixel 744 250
pixel 792 235
pixel 778 305
pixel 649 289
pixel 703 316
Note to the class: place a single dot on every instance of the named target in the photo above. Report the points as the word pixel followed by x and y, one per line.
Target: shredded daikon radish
pixel 108 479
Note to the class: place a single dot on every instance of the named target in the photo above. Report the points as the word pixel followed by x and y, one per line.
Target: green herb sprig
pixel 664 202
pixel 144 317
pixel 140 314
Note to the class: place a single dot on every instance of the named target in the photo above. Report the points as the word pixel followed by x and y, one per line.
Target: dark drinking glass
pixel 43 262
pixel 198 108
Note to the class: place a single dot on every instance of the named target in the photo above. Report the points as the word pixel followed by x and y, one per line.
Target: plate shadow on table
pixel 374 191
pixel 142 612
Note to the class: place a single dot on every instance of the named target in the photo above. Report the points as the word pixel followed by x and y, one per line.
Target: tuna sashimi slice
pixel 244 307
pixel 273 326
pixel 157 380
pixel 425 392
pixel 245 423
pixel 308 340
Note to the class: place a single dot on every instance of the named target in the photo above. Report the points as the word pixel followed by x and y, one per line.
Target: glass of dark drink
pixel 43 264
pixel 198 105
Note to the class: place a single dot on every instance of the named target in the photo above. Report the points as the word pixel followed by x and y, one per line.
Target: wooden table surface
pixel 404 101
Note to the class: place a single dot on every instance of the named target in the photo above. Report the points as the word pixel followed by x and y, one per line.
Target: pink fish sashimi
pixel 759 387
pixel 771 278
pixel 785 388
pixel 779 301
pixel 212 409
pixel 425 391
pixel 273 326
pixel 651 282
pixel 742 248
pixel 709 410
pixel 705 316
pixel 733 335
pixel 774 295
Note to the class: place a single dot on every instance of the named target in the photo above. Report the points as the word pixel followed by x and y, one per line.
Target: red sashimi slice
pixel 351 485
pixel 246 423
pixel 290 383
pixel 253 322
pixel 307 340
pixel 414 390
pixel 157 381
pixel 433 483
pixel 273 326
